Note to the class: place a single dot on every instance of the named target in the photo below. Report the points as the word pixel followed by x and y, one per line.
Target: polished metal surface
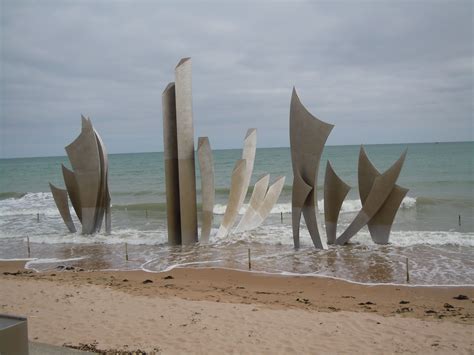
pixel 170 155
pixel 236 187
pixel 335 191
pixel 185 144
pixel 256 200
pixel 308 135
pixel 84 156
pixel 60 198
pixel 381 188
pixel 206 167
pixel 381 223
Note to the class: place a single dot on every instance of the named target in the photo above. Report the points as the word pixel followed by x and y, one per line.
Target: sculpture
pixel 335 191
pixel 270 200
pixel 185 143
pixel 60 198
pixel 381 223
pixel 237 185
pixel 178 132
pixel 72 190
pixel 170 157
pixel 206 166
pixel 87 183
pixel 307 138
pixel 248 153
pixel 256 200
pixel 242 185
pixel 381 188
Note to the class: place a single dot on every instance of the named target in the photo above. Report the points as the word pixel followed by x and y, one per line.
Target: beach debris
pixel 303 300
pixel 461 297
pixel 431 311
pixel 404 310
pixel 147 281
pixel 334 309
pixel 404 302
pixel 368 303
pixel 448 306
pixel 169 277
pixel 16 273
pixel 92 347
pixel 124 280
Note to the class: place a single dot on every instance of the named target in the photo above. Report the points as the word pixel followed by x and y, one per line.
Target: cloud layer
pixel 382 72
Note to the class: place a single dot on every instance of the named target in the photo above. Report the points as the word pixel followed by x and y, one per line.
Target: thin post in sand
pixel 126 251
pixel 459 219
pixel 281 217
pixel 250 262
pixel 28 245
pixel 37 217
pixel 408 272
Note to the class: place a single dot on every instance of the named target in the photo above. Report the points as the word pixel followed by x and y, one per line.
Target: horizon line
pixel 273 147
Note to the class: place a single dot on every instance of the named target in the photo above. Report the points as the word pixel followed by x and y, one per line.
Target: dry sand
pixel 223 311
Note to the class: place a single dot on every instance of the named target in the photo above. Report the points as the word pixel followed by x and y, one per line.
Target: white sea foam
pixel 118 236
pixel 30 204
pixel 348 206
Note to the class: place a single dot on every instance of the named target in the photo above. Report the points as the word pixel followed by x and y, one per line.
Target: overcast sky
pixel 381 71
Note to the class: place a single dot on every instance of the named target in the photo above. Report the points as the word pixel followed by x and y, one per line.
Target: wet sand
pixel 220 311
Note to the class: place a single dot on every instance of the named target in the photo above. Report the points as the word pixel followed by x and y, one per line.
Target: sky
pixel 380 71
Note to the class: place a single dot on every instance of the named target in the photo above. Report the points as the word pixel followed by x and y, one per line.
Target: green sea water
pixel 437 215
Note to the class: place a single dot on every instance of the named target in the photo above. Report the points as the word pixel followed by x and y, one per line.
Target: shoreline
pixel 125 310
pixel 263 273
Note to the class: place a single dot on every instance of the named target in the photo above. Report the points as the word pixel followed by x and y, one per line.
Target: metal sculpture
pixel 256 200
pixel 103 205
pixel 185 144
pixel 60 198
pixel 335 191
pixel 72 190
pixel 268 203
pixel 206 166
pixel 381 223
pixel 178 140
pixel 248 153
pixel 308 135
pixel 170 157
pixel 237 185
pixel 234 206
pixel 87 183
pixel 381 188
pixel 83 154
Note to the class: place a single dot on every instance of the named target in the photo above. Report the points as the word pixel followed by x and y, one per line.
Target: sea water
pixel 433 230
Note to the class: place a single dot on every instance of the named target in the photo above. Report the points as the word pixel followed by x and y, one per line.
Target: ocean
pixel 433 230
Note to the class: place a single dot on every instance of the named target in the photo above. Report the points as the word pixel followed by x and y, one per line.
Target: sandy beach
pixel 224 311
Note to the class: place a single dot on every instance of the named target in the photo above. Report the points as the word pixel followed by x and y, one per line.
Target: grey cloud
pixel 381 71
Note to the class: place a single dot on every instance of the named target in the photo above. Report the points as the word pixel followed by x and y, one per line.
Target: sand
pixel 223 311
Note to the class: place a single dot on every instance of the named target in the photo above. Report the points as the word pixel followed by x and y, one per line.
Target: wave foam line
pixel 294 274
pixel 50 261
pixel 174 266
pixel 348 206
